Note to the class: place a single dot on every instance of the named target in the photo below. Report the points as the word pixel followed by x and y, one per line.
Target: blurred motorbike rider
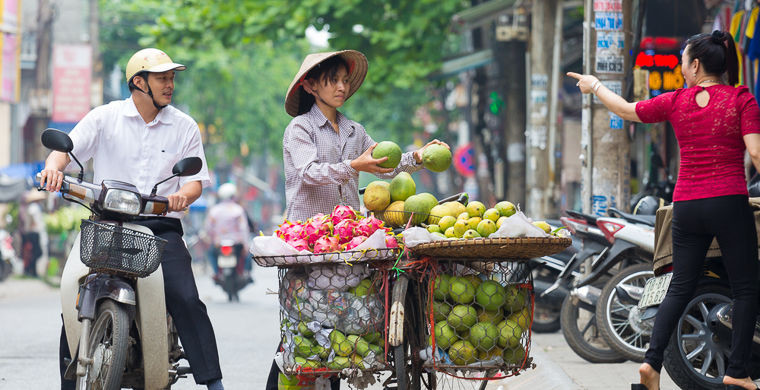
pixel 138 140
pixel 227 221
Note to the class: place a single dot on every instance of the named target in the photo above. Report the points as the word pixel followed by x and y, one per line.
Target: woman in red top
pixel 714 122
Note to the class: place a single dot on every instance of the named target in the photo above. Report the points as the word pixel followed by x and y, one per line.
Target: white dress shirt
pixel 123 147
pixel 227 221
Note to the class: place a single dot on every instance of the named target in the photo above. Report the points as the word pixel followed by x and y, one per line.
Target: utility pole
pixel 509 51
pixel 605 146
pixel 540 173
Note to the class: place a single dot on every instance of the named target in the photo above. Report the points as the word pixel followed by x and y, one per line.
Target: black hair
pixel 131 84
pixel 717 54
pixel 324 72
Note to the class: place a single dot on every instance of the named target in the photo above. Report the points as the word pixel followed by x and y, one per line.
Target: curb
pixel 546 376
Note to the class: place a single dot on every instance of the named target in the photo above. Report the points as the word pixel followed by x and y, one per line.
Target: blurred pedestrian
pixel 33 233
pixel 714 123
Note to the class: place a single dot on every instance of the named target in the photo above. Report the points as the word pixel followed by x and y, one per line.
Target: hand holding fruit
pixel 366 163
pixel 435 155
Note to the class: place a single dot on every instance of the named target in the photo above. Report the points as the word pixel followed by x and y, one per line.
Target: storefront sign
pixel 72 70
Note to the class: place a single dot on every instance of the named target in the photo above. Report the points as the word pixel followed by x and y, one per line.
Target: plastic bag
pixel 417 235
pixel 518 225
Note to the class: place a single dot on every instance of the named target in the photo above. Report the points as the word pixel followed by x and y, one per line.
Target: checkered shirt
pixel 318 173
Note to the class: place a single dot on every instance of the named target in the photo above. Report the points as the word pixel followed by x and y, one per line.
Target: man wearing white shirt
pixel 138 140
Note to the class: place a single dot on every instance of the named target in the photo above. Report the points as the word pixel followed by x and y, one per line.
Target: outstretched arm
pixel 614 102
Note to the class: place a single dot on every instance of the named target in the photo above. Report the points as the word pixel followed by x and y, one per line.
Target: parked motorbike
pixel 546 270
pixel 577 314
pixel 112 291
pixel 620 321
pixel 232 276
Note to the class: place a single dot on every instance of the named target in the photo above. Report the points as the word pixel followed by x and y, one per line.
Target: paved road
pixel 247 334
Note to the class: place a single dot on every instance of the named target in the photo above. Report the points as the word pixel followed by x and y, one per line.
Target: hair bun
pixel 718 37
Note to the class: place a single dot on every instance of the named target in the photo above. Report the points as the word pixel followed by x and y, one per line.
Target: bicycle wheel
pixel 108 346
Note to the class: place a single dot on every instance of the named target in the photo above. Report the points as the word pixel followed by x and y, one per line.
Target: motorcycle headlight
pixel 122 201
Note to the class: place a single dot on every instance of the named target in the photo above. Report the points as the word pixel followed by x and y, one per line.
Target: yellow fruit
pixel 543 226
pixel 505 208
pixel 394 214
pixel 377 196
pixel 434 228
pixel 491 214
pixel 460 227
pixel 402 186
pixel 455 208
pixel 486 227
pixel 450 233
pixel 500 221
pixel 476 209
pixel 436 213
pixel 446 222
pixel 470 233
pixel 473 222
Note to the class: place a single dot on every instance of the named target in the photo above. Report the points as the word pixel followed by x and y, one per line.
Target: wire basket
pixel 374 256
pixel 479 319
pixel 117 249
pixel 499 249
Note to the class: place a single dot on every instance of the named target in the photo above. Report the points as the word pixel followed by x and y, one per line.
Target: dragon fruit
pixel 355 242
pixel 327 244
pixel 390 242
pixel 345 230
pixel 290 231
pixel 341 213
pixel 300 244
pixel 368 225
pixel 316 228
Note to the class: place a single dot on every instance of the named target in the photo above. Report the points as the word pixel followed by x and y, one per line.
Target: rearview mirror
pixel 57 140
pixel 188 166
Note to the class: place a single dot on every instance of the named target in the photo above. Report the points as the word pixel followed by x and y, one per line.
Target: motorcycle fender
pixel 74 271
pixel 98 288
pixel 612 258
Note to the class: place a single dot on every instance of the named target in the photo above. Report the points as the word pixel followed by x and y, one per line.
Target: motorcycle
pixel 114 311
pixel 621 322
pixel 232 276
pixel 546 270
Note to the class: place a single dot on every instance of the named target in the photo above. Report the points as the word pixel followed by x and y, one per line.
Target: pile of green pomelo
pixel 479 319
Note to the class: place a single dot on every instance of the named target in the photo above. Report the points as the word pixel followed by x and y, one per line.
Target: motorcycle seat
pixel 645 219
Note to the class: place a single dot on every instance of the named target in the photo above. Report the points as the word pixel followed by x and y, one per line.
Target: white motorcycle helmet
pixel 226 191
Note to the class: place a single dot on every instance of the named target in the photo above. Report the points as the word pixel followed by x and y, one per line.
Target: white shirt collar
pixel 130 110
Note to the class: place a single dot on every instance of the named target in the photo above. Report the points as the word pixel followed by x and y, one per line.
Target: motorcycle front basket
pixel 113 248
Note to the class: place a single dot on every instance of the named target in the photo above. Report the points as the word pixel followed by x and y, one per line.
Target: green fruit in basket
pixel 300 361
pixel 387 149
pixel 475 209
pixel 521 317
pixel 460 227
pixel 416 207
pixel 484 335
pixel 361 346
pixel 374 337
pixel 490 354
pixel 444 335
pixel 462 353
pixel 357 361
pixel 339 363
pixel 434 229
pixel 463 216
pixel 486 227
pixel 500 221
pixel 394 214
pixel 304 330
pixel 363 289
pixel 303 346
pixel 505 208
pixel 514 355
pixel 510 334
pixel 446 221
pixel 336 336
pixel 455 208
pixel 516 298
pixel 322 351
pixel 462 317
pixel 378 351
pixel 402 186
pixel 439 235
pixel 313 364
pixel 441 287
pixel 437 213
pixel 493 317
pixel 343 348
pixel 461 290
pixel 450 233
pixel 429 198
pixel 472 222
pixel 491 214
pixel 441 310
pixel 470 233
pixel 377 195
pixel 436 157
pixel 474 279
pixel 490 295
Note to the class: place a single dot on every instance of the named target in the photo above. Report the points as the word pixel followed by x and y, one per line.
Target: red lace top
pixel 710 137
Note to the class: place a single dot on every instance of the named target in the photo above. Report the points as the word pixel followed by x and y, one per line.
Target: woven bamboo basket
pixel 519 248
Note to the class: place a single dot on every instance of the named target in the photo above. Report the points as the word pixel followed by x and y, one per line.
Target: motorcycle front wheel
pixel 581 331
pixel 107 348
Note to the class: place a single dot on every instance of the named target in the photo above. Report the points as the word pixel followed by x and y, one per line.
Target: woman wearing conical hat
pixel 323 150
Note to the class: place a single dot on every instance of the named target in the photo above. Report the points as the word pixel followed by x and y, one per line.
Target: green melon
pixel 387 149
pixel 402 186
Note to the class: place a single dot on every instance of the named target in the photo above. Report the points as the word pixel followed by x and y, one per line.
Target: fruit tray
pixel 502 249
pixel 348 257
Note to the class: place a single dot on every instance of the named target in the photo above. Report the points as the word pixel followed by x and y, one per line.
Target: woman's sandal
pixel 638 386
